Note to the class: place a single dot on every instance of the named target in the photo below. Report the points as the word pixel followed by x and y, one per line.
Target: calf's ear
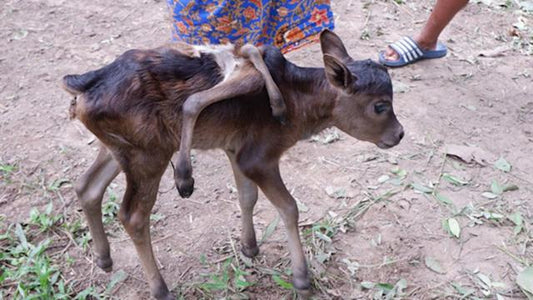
pixel 335 59
pixel 337 73
pixel 332 45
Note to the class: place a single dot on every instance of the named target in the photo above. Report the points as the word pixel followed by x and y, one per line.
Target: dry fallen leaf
pixel 469 154
pixel 496 52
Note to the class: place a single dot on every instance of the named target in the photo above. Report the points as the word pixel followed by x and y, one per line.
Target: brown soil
pixel 463 99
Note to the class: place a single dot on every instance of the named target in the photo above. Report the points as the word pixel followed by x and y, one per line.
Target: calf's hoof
pixel 304 294
pixel 185 186
pixel 281 119
pixel 163 293
pixel 105 264
pixel 250 252
pixel 280 114
pixel 303 288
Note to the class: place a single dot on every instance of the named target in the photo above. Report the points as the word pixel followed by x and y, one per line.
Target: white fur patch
pixel 224 57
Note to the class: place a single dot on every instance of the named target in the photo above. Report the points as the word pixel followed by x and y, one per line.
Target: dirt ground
pixel 389 210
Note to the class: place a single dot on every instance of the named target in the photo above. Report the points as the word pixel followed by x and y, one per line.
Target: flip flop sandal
pixel 409 52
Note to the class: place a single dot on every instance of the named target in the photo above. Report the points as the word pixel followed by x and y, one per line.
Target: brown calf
pixel 133 106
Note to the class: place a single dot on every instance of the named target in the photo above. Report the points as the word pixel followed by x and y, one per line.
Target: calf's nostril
pixel 401 135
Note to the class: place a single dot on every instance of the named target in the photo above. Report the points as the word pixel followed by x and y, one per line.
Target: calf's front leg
pixel 247 199
pixel 265 173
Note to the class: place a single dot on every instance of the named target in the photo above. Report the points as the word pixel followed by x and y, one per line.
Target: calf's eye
pixel 381 107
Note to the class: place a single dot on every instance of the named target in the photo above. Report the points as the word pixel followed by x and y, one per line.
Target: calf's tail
pixel 79 84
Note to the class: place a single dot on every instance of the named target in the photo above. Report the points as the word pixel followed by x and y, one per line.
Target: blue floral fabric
pixel 285 24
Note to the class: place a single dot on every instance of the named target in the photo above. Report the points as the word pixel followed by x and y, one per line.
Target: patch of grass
pixel 55 185
pixel 28 270
pixel 110 207
pixel 228 279
pixel 318 239
pixel 31 266
pixel 386 291
pixel 6 170
pixel 46 221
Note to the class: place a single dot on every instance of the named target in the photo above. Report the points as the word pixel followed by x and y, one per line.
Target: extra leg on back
pixel 238 85
pixel 243 81
pixel 253 54
pixel 90 189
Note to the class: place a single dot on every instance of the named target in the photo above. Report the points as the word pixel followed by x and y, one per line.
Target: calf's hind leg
pixel 243 81
pixel 143 174
pixel 90 189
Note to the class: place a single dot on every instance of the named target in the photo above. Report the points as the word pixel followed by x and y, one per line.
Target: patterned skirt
pixel 287 25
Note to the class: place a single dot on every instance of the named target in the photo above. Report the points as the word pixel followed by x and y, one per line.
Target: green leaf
pixel 240 280
pixel 454 179
pixel 21 236
pixel 282 283
pixel 502 164
pixel 442 198
pixel 367 285
pixel 322 236
pixel 455 229
pixel 56 184
pixel 383 178
pixel 421 188
pixel 511 187
pixel 271 227
pixel 387 287
pixel 7 168
pixel 119 276
pixel 336 193
pixel 526 6
pixel 49 207
pixel 203 259
pixel 485 280
pixel 496 188
pixel 322 256
pixel 462 290
pixel 525 281
pixel 400 286
pixel 499 285
pixel 489 195
pixel 156 217
pixel 216 285
pixel 492 215
pixel 518 221
pixel 399 172
pixel 352 266
pixel 85 293
pixel 301 206
pixel 434 265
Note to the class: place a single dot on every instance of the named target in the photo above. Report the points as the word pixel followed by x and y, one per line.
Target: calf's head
pixel 363 107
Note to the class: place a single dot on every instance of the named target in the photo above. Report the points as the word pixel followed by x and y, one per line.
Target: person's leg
pixel 440 17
